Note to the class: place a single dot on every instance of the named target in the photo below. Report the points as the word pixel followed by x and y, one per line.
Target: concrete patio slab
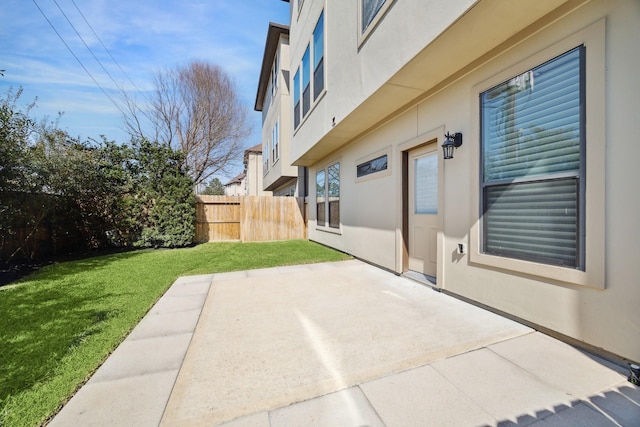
pixel 284 335
pixel 501 387
pixel 557 363
pixel 133 386
pixel 341 344
pixel 131 401
pixel 423 397
pixel 176 303
pixel 163 324
pixel 347 407
pixel 143 357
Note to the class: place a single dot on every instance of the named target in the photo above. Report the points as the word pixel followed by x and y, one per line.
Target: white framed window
pixel 309 78
pixel 532 169
pixel 328 197
pixel 276 142
pixel 540 169
pixel 265 157
pixel 274 77
pixel 374 165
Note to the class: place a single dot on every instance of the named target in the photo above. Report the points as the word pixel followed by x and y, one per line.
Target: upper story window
pixel 533 164
pixel 296 99
pixel 265 157
pixel 308 81
pixel 276 145
pixel 274 77
pixel 370 12
pixel 318 57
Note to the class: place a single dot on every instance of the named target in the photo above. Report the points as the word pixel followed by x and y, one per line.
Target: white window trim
pixel 276 142
pixel 380 174
pixel 325 167
pixel 593 38
pixel 364 35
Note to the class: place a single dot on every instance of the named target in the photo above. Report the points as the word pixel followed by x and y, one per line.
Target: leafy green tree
pixel 167 193
pixel 214 188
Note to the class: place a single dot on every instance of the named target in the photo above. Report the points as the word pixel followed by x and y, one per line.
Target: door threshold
pixel 422 279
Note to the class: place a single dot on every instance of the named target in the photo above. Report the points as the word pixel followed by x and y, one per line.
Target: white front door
pixel 423 209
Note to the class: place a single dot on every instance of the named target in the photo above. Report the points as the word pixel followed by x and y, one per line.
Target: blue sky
pixel 143 36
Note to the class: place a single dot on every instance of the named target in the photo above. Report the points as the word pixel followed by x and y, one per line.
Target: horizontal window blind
pixel 536 221
pixel 532 155
pixel 531 124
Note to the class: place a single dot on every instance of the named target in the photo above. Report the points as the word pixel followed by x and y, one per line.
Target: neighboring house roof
pixel 255 149
pixel 270 49
pixel 237 180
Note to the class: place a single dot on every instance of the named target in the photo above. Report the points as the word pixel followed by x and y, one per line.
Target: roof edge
pixel 271 46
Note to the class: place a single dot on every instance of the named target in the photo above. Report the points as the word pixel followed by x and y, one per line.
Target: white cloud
pixel 143 36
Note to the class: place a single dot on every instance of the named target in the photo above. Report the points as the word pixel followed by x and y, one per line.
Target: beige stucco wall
pixel 371 214
pixel 253 179
pixel 236 189
pixel 280 111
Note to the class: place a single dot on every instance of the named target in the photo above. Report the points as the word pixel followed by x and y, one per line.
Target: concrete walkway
pixel 341 344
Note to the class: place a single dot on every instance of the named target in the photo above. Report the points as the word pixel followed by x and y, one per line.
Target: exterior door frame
pixel 402 230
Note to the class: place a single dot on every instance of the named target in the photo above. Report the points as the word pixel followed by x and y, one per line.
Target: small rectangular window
pixel 372 166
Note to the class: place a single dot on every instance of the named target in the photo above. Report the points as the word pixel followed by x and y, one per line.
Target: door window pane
pixel 426 184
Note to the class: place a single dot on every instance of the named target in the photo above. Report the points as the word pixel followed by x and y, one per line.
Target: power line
pixel 87 46
pixel 104 47
pixel 76 57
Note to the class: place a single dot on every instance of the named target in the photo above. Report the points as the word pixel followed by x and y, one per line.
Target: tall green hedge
pixel 59 194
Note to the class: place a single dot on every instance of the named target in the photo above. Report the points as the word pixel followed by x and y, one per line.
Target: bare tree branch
pixel 194 109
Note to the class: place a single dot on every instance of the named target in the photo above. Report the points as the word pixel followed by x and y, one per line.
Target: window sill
pixel 331 230
pixel 592 279
pixel 310 112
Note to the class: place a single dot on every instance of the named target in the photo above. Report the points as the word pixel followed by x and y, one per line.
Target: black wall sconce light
pixel 451 142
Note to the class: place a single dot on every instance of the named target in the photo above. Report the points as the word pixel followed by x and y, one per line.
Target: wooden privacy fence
pixel 249 218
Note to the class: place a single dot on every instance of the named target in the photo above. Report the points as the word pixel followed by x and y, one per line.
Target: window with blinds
pixel 533 157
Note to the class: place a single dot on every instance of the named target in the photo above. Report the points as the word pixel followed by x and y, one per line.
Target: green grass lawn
pixel 60 323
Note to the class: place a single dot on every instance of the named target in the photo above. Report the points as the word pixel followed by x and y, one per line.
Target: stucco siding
pixel 603 315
